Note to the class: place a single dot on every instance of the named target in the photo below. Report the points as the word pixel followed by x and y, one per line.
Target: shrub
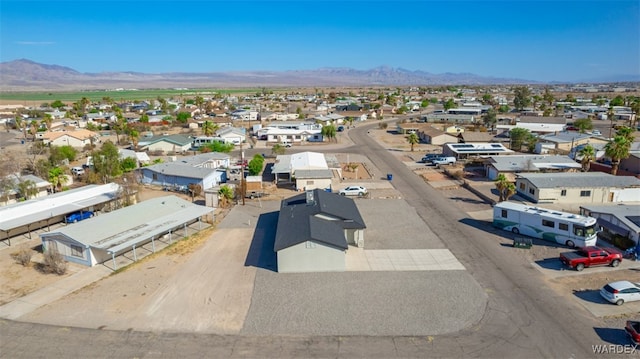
pixel 23 256
pixel 54 263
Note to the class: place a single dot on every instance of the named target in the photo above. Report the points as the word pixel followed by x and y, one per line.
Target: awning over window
pixel 612 227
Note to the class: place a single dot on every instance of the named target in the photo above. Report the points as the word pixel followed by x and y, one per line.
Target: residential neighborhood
pixel 350 196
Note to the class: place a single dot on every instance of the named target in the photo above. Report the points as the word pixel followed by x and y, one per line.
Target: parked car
pixel 633 331
pixel 78 216
pixel 77 171
pixel 621 292
pixel 430 157
pixel 340 128
pixel 353 191
pixel 596 133
pixel 590 256
pixel 444 161
pixel 254 194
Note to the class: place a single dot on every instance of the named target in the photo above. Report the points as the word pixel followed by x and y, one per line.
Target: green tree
pixel 57 178
pixel 255 165
pixel 518 137
pixel 182 117
pixel 27 189
pixel 587 153
pixel 57 104
pixel 548 98
pixel 329 131
pixel 278 149
pixel 413 139
pixel 57 154
pixel 583 124
pixel 106 162
pixel 503 109
pixel 217 146
pixel 617 149
pixel 226 195
pixel 128 164
pixel 449 104
pixel 505 187
pixel 209 128
pixel 522 97
pixel 490 119
pixel 617 101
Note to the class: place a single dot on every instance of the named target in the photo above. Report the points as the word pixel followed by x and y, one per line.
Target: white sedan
pixel 353 191
pixel 621 292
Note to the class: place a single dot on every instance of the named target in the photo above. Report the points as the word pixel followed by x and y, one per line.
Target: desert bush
pixel 383 125
pixel 53 262
pixel 23 256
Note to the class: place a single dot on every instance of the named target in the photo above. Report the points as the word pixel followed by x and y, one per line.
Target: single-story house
pixel 620 219
pixel 165 143
pixel 77 139
pixel 142 158
pixel 411 127
pixel 180 175
pixel 314 231
pixel 541 124
pixel 233 135
pixel 449 118
pixel 564 141
pixel 578 187
pixel 466 150
pixel 14 186
pixel 477 137
pixel 96 240
pixel 286 167
pixel 513 164
pixel 434 136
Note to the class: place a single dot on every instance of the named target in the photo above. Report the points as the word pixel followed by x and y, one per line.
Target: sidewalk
pixel 49 294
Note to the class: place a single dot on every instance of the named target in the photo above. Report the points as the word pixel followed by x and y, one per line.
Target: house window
pixel 309 183
pixel 155 176
pixel 563 192
pixel 522 186
pixel 77 251
pixel 504 213
pixel 547 223
pixel 585 193
pixel 310 245
pixel 532 191
pixel 563 226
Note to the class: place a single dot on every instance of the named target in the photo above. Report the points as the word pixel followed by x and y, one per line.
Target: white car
pixel 596 133
pixel 353 191
pixel 620 292
pixel 78 171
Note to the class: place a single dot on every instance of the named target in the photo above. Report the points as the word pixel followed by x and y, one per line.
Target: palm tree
pixel 588 153
pixel 225 194
pixel 48 120
pixel 413 139
pixel 208 128
pixel 27 189
pixel 617 149
pixel 505 187
pixel 329 131
pixel 57 178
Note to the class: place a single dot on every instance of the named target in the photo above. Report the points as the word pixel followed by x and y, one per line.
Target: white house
pixel 77 139
pixel 232 135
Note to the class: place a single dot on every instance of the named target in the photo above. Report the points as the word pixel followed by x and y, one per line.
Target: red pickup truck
pixel 590 256
pixel 633 330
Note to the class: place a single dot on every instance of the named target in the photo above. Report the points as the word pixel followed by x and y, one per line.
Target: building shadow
pixel 261 253
pixel 551 264
pixel 616 336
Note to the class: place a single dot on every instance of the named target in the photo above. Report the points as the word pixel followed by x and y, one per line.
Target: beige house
pixel 77 138
pixel 564 141
pixel 434 136
pixel 578 187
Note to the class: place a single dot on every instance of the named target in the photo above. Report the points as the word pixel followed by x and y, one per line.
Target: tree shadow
pixel 261 253
pixel 467 200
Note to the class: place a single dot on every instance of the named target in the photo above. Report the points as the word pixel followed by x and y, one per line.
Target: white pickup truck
pixel 444 161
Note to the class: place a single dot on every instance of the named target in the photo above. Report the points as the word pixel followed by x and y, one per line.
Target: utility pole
pixel 242 186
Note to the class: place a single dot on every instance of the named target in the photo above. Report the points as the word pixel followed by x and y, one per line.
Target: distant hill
pixel 26 75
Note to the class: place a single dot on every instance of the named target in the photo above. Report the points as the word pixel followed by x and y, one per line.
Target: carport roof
pixel 135 223
pixel 61 203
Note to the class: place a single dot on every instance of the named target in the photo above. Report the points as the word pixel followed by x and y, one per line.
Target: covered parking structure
pixel 102 238
pixel 25 217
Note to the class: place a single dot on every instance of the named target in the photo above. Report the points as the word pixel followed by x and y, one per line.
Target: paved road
pixel 523 318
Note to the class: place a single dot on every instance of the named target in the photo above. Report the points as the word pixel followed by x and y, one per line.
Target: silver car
pixel 621 292
pixel 354 191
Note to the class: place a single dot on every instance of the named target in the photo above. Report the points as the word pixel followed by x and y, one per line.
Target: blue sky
pixel 540 40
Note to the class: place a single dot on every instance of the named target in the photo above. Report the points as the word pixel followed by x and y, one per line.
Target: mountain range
pixel 26 75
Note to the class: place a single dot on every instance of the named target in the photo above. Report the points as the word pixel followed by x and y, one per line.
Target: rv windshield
pixel 584 231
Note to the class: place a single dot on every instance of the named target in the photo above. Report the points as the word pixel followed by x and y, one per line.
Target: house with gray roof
pixel 579 187
pixel 510 165
pixel 315 230
pixel 616 219
pixel 564 141
pixel 166 144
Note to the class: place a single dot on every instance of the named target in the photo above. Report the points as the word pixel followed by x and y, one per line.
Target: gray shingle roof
pixel 181 170
pixel 580 180
pixel 521 163
pixel 299 222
